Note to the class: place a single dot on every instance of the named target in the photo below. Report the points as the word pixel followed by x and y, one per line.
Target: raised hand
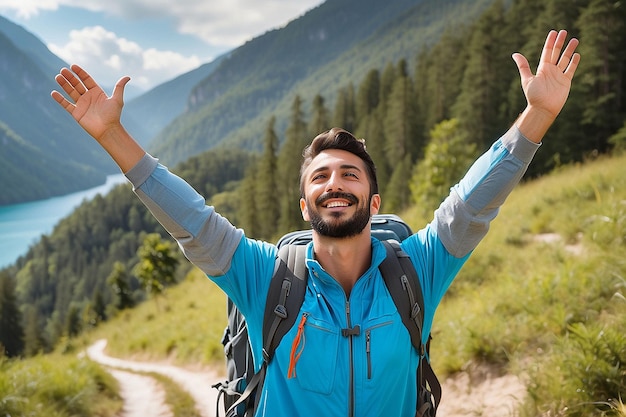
pixel 90 106
pixel 99 114
pixel 549 88
pixel 547 91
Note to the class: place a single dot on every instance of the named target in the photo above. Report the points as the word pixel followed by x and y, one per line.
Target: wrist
pixel 118 143
pixel 534 122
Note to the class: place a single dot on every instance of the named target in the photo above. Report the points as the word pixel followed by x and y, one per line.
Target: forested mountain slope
pixel 42 151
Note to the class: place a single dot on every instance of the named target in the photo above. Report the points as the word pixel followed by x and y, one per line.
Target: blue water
pixel 21 225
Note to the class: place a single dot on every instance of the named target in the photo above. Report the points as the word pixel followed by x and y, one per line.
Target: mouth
pixel 337 200
pixel 334 204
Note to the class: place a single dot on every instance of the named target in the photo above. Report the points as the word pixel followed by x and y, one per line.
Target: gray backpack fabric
pixel 285 297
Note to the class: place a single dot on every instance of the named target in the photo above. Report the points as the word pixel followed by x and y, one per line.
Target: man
pixel 370 372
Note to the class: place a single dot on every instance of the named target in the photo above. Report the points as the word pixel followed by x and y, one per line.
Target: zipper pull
pixel 298 341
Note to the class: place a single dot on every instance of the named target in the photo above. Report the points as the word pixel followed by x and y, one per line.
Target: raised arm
pixel 99 114
pixel 547 90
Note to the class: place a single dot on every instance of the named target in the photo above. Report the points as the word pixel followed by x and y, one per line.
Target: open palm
pixel 549 88
pixel 90 105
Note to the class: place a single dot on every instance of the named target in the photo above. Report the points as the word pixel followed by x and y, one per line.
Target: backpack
pixel 284 299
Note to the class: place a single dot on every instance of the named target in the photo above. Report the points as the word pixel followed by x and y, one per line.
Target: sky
pixel 152 41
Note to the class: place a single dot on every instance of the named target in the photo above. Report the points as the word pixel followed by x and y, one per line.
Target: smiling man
pixel 339 371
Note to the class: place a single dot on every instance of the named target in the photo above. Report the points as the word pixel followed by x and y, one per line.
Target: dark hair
pixel 337 138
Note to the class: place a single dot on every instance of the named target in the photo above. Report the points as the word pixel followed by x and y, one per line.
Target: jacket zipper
pixel 368 337
pixel 351 382
pixel 368 346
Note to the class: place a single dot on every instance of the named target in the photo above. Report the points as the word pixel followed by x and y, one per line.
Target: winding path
pixel 133 389
pixel 480 393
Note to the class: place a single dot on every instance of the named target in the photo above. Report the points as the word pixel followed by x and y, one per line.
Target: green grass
pixel 57 386
pixel 184 326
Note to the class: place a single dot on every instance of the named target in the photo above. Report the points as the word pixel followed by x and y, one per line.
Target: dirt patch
pixel 481 392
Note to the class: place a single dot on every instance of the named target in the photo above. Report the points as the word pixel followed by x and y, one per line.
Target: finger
pixel 63 79
pixel 59 98
pixel 118 91
pixel 546 53
pixel 568 54
pixel 84 77
pixel 523 67
pixel 573 64
pixel 558 45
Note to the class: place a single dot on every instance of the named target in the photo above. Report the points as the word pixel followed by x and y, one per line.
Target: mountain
pixel 146 115
pixel 43 152
pixel 332 45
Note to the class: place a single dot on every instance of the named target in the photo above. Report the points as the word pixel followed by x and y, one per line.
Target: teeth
pixel 337 204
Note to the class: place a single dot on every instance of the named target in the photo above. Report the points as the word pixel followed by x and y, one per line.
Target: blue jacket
pixel 371 372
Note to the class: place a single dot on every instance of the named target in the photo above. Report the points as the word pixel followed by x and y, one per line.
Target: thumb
pixel 523 67
pixel 118 91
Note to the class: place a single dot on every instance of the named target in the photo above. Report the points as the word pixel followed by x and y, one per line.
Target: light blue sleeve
pixel 207 239
pixel 462 220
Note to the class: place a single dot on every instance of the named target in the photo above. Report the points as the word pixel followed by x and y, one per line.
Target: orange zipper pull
pixel 298 341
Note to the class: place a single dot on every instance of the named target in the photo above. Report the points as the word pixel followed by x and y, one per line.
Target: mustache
pixel 351 198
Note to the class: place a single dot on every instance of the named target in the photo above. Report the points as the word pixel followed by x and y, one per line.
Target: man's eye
pixel 351 174
pixel 319 177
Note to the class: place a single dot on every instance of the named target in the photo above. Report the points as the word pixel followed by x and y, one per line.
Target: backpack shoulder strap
pixel 403 284
pixel 285 296
pixel 284 299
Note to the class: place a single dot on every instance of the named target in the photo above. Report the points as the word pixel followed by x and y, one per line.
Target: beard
pixel 336 228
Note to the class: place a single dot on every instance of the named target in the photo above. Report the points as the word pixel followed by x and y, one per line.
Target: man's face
pixel 337 194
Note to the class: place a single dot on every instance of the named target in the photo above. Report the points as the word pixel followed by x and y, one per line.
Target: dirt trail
pixel 478 393
pixel 142 395
pixel 198 384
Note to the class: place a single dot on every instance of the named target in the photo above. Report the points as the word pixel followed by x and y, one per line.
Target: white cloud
pixel 226 23
pixel 222 25
pixel 108 57
pixel 28 8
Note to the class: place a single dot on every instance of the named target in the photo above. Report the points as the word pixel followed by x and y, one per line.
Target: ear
pixel 304 210
pixel 375 204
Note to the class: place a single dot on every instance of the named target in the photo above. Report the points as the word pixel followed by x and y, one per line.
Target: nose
pixel 334 182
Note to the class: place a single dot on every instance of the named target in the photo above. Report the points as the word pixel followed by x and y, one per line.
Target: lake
pixel 21 225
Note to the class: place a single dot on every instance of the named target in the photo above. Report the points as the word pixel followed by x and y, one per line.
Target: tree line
pixel 424 122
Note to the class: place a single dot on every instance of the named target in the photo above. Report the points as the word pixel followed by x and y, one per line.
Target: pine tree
pixel 34 342
pixel 344 115
pixel 247 198
pixel 320 117
pixel 368 96
pixel 119 281
pixel 400 121
pixel 482 91
pixel 73 323
pixel 289 160
pixel 602 29
pixel 11 331
pixel 438 75
pixel 266 192
pixel 397 193
pixel 371 129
